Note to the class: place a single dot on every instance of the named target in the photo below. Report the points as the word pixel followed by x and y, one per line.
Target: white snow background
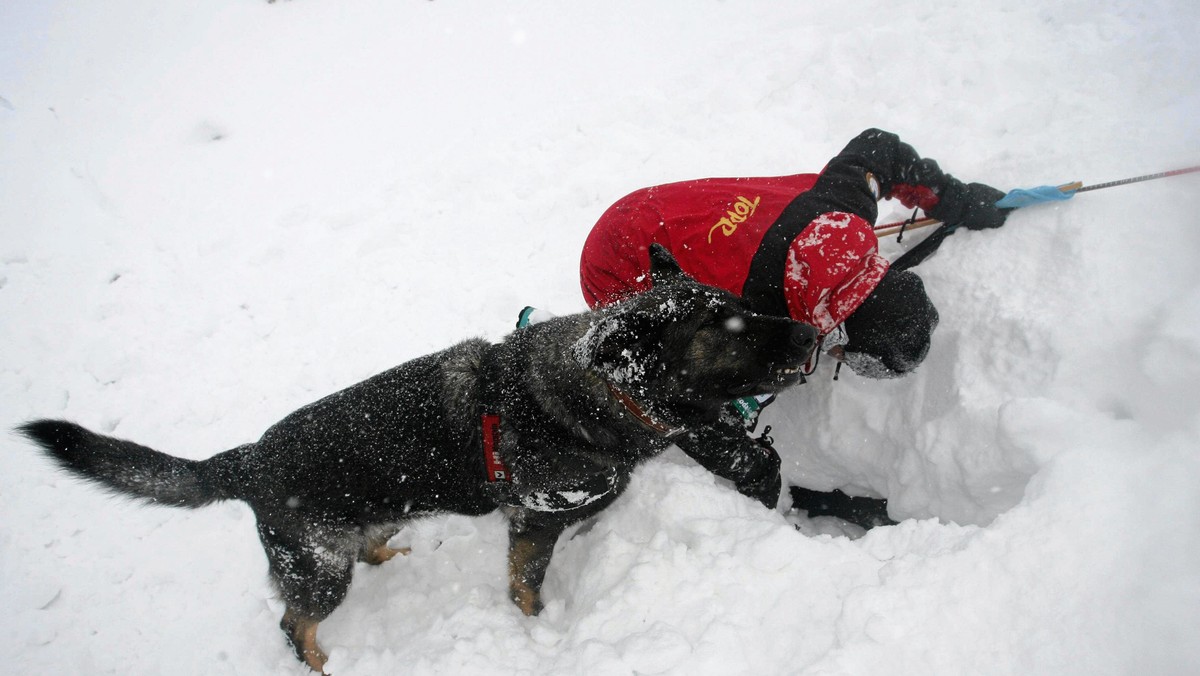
pixel 212 213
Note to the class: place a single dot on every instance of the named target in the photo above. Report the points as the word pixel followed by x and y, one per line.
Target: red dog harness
pixel 496 469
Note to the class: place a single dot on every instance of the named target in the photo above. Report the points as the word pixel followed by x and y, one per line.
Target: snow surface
pixel 215 212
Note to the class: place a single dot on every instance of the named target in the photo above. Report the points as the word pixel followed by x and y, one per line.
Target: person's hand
pixel 970 205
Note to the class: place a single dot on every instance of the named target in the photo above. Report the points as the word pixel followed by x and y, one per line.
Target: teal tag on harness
pixel 747 406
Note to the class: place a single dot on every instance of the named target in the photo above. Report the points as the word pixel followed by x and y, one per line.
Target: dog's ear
pixel 663 266
pixel 621 343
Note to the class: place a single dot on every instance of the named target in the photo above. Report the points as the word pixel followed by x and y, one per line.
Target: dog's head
pixel 692 347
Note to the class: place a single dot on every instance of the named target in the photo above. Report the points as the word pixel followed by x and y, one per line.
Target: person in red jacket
pixel 801 246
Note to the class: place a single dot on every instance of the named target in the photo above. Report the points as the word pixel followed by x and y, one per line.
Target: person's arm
pixel 915 181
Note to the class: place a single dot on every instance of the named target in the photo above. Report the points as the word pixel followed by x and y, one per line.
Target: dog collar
pixel 640 413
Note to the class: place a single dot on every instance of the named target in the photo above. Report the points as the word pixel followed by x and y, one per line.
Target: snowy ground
pixel 214 212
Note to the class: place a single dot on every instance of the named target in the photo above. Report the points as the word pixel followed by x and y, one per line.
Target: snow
pixel 213 213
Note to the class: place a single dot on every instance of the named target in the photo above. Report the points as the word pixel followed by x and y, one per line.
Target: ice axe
pixel 1024 197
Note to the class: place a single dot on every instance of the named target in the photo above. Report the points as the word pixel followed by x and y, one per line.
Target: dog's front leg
pixel 530 545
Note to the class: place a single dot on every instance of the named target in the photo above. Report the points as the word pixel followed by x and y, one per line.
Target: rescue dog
pixel 546 425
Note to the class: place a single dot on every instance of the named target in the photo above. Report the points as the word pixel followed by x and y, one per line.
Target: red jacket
pixel 801 245
pixel 714 227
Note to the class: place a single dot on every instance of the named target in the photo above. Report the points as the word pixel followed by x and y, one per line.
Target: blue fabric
pixel 523 318
pixel 1023 197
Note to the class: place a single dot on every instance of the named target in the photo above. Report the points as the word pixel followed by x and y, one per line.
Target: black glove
pixel 970 205
pixel 865 512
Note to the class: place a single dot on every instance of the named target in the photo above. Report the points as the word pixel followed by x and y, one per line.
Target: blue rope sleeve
pixel 1023 197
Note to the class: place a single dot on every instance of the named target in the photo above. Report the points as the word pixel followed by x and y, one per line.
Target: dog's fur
pixel 330 483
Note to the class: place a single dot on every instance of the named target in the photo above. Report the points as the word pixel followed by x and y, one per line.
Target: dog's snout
pixel 803 338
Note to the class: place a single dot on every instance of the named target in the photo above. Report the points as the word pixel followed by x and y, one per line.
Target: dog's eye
pixel 714 320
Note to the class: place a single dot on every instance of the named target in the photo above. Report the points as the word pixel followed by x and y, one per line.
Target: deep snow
pixel 213 213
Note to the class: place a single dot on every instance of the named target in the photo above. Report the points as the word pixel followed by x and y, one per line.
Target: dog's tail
pixel 131 469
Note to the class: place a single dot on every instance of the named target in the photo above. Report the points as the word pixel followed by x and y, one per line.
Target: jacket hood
pixel 831 269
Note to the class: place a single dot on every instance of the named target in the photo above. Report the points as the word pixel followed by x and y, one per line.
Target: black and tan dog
pixel 547 425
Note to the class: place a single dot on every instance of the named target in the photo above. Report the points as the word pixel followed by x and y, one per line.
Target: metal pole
pixel 1139 179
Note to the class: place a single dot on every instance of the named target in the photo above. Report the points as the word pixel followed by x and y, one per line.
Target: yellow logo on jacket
pixel 742 209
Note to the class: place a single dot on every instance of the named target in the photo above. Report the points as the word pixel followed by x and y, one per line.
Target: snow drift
pixel 213 213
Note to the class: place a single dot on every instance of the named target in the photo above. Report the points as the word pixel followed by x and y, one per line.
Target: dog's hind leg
pixel 376 550
pixel 311 566
pixel 530 546
pixel 301 633
pixel 377 553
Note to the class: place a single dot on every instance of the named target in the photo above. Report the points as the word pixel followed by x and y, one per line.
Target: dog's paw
pixel 382 554
pixel 526 598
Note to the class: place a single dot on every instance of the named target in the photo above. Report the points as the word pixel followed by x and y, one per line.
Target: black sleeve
pixel 900 171
pixel 845 184
pixel 919 182
pixel 873 166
